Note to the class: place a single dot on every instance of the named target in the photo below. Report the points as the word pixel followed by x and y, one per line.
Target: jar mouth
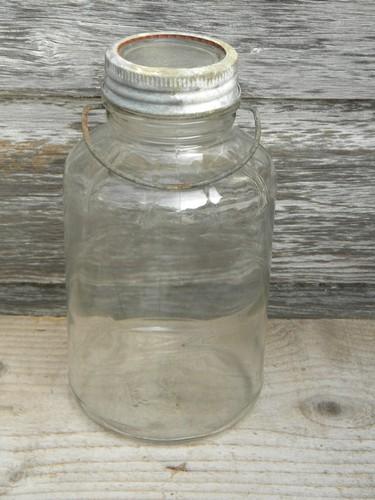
pixel 171 50
pixel 171 73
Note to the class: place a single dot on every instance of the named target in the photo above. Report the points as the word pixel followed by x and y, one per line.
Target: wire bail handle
pixel 170 187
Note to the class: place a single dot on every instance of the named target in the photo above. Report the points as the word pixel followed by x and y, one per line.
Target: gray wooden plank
pixel 34 299
pixel 287 48
pixel 323 154
pixel 322 300
pixel 287 300
pixel 310 435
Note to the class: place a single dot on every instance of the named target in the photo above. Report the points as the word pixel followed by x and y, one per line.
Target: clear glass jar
pixel 168 227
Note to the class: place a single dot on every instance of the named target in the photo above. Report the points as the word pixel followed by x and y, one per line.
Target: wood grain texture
pixel 308 65
pixel 313 300
pixel 288 300
pixel 311 434
pixel 287 48
pixel 323 154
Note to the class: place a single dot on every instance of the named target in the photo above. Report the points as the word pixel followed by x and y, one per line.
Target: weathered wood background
pixel 308 65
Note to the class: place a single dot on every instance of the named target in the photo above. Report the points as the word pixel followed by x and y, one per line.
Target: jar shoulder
pixel 167 163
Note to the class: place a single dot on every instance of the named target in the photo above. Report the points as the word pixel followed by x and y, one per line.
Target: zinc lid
pixel 171 73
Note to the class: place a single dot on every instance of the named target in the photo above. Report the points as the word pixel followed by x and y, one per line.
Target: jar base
pixel 173 380
pixel 128 432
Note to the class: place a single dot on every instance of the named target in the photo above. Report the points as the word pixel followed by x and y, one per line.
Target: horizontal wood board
pixel 294 300
pixel 288 49
pixel 324 220
pixel 309 66
pixel 311 435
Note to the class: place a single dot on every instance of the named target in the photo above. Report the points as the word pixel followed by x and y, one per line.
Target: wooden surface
pixel 309 66
pixel 324 229
pixel 287 48
pixel 311 434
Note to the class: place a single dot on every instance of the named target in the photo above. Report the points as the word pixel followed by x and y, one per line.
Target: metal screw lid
pixel 171 74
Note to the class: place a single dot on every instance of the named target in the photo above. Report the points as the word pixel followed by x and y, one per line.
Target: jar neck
pixel 178 130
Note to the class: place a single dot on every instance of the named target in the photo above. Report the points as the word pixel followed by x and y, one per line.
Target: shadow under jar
pixel 168 229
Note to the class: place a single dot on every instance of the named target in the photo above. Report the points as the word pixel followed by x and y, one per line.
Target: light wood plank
pixel 287 49
pixel 311 434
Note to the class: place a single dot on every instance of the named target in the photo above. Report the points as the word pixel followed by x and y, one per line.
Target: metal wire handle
pixel 171 187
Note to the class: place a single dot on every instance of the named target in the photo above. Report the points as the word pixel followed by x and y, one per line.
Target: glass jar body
pixel 167 289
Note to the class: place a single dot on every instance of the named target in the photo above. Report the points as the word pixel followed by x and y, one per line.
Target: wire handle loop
pixel 169 187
